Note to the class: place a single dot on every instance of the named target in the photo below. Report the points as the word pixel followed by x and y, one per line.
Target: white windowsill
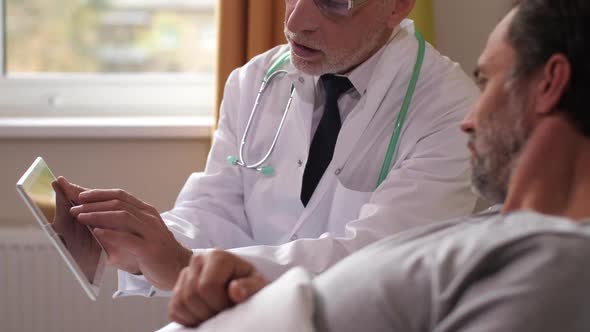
pixel 107 127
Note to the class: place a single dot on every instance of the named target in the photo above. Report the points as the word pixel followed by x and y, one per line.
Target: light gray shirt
pixel 514 273
pixel 521 272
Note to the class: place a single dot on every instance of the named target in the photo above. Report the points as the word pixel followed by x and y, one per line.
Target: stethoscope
pixel 268 77
pixel 275 70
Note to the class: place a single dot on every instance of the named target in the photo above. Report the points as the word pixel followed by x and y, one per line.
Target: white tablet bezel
pixel 30 176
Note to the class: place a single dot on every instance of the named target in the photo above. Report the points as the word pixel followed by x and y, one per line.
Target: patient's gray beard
pixel 493 168
pixel 492 188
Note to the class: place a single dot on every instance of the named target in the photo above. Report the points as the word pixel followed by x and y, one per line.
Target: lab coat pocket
pixel 346 205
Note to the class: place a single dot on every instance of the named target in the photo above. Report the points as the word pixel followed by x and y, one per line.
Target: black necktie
pixel 324 139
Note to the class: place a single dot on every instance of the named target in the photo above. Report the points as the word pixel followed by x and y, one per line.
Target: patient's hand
pixel 211 283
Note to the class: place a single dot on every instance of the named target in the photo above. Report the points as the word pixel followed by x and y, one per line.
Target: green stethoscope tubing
pixel 278 64
pixel 401 118
pixel 275 69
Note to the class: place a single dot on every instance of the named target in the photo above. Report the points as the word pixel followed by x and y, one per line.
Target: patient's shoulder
pixel 531 227
pixel 531 273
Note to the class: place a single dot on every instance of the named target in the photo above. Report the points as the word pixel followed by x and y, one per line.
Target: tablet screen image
pixel 75 242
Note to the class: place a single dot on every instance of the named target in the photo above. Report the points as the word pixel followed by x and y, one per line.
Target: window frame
pixel 81 105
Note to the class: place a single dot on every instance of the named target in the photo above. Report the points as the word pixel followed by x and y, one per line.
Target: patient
pixel 523 267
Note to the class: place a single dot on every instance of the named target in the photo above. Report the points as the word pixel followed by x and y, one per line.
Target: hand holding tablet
pixel 76 243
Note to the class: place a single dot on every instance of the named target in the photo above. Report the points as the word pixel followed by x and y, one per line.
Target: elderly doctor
pixel 364 118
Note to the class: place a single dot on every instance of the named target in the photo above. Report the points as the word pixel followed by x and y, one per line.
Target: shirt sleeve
pixel 219 215
pixel 200 219
pixel 209 211
pixel 537 284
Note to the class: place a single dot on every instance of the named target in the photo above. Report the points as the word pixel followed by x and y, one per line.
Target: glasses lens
pixel 333 7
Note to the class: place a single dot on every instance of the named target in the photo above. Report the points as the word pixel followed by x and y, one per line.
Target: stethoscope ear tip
pixel 232 160
pixel 267 170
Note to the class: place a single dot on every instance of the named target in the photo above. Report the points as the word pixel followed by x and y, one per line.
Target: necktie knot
pixel 335 86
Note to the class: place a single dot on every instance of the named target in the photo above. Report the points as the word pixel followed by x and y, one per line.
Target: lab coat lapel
pixel 302 105
pixel 382 80
pixel 295 139
pixel 358 120
pixel 303 122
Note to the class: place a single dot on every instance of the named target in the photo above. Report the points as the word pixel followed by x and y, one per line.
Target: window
pixel 91 58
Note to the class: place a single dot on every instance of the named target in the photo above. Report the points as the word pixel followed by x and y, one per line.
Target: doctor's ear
pixel 400 10
pixel 553 81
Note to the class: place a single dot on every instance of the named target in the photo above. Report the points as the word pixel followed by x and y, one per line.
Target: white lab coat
pixel 262 217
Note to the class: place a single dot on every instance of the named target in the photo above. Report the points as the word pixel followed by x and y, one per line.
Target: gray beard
pixel 492 169
pixel 493 188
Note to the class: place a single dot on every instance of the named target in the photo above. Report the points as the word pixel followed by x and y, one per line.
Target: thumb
pixel 71 191
pixel 242 289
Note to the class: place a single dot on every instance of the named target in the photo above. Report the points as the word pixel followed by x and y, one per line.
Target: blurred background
pixel 110 36
pixel 123 94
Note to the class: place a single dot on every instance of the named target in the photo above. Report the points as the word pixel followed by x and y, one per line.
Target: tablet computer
pixel 77 245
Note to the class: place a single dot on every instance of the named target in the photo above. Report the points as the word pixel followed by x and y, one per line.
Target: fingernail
pixel 75 210
pixel 81 217
pixel 241 292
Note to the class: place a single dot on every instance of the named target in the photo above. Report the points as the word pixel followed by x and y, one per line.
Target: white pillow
pixel 285 305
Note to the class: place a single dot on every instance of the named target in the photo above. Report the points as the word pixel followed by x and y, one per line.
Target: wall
pixel 423 18
pixel 154 170
pixel 462 27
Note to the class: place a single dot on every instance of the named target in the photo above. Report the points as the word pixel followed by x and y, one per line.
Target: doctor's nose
pixel 301 16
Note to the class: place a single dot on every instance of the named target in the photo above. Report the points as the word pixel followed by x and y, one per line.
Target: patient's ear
pixel 552 83
pixel 400 10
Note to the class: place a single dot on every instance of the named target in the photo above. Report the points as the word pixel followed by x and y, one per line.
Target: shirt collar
pixel 359 76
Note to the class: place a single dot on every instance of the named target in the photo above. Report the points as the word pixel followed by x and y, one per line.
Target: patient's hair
pixel 542 28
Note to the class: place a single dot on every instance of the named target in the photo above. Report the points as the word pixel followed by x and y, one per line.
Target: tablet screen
pixel 78 240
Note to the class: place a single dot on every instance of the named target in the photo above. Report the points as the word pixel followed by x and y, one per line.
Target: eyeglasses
pixel 338 7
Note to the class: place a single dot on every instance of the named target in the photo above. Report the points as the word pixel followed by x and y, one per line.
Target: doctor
pixel 328 186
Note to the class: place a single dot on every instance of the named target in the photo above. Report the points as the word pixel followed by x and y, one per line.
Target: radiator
pixel 39 293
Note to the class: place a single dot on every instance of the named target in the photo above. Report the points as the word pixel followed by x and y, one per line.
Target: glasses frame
pixel 355 3
pixel 352 4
